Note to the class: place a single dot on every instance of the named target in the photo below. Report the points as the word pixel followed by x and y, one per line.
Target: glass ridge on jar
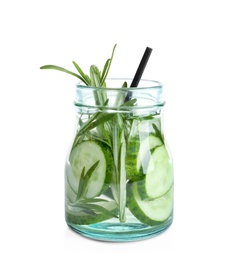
pixel 119 171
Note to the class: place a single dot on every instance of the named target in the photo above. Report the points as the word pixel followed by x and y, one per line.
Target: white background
pixel 195 55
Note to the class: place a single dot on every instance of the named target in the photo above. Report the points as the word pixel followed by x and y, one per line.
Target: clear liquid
pixel 123 209
pixel 115 231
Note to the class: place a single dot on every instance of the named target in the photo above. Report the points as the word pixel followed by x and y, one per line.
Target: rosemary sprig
pixel 108 127
pixel 96 78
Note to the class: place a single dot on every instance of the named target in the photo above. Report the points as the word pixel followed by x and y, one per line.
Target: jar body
pixel 119 171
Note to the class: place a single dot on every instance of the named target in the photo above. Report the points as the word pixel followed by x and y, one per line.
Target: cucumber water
pixel 149 174
pixel 118 172
pixel 119 176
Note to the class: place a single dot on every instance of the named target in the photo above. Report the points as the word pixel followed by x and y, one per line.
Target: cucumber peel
pixel 138 155
pixel 150 212
pixel 132 151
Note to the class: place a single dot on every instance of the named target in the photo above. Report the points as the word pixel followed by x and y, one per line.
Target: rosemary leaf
pixel 158 132
pixel 93 200
pixel 81 208
pixel 100 97
pixel 100 209
pixel 87 177
pixel 105 70
pixel 86 78
pixel 129 103
pixel 122 181
pixel 95 76
pixel 53 67
pixel 78 139
pixel 85 128
pixel 124 85
pixel 101 120
pixel 133 129
pixel 115 151
pixel 81 185
pixel 107 67
pixel 93 136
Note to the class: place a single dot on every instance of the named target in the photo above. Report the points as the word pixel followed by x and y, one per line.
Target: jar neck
pixel 113 99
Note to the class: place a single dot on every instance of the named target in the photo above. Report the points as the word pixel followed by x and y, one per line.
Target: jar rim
pixel 155 85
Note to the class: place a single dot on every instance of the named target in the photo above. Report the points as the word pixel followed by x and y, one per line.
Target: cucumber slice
pixel 144 153
pixel 159 175
pixel 138 155
pixel 150 212
pixel 86 154
pixel 131 160
pixel 69 193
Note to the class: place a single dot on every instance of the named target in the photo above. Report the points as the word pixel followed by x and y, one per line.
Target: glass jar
pixel 119 171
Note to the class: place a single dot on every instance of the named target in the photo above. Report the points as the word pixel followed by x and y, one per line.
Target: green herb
pixel 158 132
pixel 96 78
pixel 109 128
pixel 84 179
pixel 53 67
pixel 122 177
pixel 86 79
pixel 99 209
pixel 88 207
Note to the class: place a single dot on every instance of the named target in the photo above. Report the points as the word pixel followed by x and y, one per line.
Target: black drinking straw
pixel 139 72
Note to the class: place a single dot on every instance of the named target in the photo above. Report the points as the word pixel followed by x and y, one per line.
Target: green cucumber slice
pixel 69 193
pixel 150 212
pixel 159 175
pixel 144 153
pixel 131 160
pixel 138 154
pixel 86 154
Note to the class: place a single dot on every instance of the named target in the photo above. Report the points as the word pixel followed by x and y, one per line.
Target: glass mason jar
pixel 119 171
